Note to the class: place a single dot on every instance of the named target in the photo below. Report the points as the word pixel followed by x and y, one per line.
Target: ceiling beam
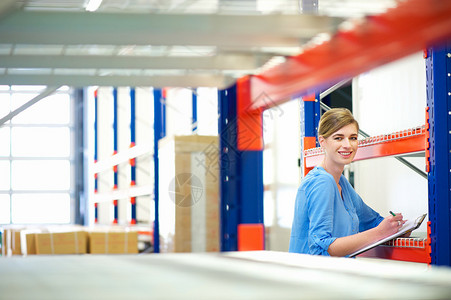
pixel 218 62
pixel 189 80
pixel 85 28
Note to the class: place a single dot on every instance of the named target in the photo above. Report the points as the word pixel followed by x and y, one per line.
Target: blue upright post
pixel 194 110
pixel 115 148
pixel 132 116
pixel 241 180
pixel 96 122
pixel 96 212
pixel 159 133
pixel 438 70
pixel 310 115
pixel 229 169
pixel 251 199
pixel 132 144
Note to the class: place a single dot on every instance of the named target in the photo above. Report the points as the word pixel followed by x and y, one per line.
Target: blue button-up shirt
pixel 321 215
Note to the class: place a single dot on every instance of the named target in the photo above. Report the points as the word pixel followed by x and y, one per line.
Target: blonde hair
pixel 335 119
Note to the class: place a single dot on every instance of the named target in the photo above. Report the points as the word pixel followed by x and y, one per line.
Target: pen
pixel 392 213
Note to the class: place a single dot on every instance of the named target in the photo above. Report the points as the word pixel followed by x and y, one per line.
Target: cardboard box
pixel 113 242
pixel 189 193
pixel 2 242
pixel 12 243
pixel 69 239
pixel 28 240
pixel 31 243
pixel 74 242
pixel 13 240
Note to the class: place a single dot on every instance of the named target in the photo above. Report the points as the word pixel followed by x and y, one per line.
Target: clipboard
pixel 409 226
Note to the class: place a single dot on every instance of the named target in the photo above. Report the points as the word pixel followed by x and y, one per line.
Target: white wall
pixel 207 111
pixel 281 130
pixel 179 108
pixel 385 100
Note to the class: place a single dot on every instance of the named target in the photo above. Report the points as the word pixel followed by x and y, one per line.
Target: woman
pixel 330 218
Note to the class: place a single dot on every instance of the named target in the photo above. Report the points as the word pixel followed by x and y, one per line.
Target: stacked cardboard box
pixel 65 239
pixel 11 244
pixel 74 242
pixel 189 193
pixel 112 241
pixel 28 240
pixel 69 240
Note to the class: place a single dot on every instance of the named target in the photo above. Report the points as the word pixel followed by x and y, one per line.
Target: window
pixel 35 157
pixel 5 212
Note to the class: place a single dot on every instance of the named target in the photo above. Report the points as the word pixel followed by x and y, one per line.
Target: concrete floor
pixel 234 275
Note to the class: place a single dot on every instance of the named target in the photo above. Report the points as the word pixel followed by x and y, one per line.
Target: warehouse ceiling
pixel 162 43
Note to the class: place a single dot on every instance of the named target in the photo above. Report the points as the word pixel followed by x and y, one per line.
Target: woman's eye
pixel 338 138
pixel 354 138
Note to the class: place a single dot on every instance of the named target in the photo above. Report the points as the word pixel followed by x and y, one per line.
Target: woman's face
pixel 341 146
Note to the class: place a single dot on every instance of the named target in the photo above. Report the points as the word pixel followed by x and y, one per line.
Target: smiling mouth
pixel 345 154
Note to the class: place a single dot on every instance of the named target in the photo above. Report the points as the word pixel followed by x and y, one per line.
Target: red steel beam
pixel 403 254
pixel 421 254
pixel 410 27
pixel 249 122
pixel 402 146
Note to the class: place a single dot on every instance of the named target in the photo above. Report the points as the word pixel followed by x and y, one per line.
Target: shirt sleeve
pixel 320 197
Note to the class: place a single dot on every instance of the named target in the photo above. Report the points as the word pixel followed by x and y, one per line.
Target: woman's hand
pixel 390 225
pixel 348 244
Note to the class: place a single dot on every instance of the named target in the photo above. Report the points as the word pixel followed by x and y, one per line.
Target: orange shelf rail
pixel 397 143
pixel 404 249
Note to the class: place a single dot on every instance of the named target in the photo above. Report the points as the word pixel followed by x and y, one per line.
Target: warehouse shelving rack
pixel 435 248
pixel 438 75
pixel 241 179
pixel 116 159
pixel 129 156
pixel 376 41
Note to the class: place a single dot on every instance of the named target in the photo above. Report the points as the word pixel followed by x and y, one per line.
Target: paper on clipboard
pixel 409 226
